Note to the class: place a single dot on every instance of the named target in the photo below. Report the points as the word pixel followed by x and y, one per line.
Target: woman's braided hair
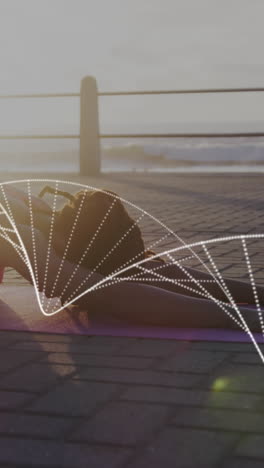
pixel 105 237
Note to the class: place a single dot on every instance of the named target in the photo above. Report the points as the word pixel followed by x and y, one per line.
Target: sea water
pixel 242 155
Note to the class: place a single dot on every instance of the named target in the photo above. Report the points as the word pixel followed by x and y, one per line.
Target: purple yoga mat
pixel 188 334
pixel 19 310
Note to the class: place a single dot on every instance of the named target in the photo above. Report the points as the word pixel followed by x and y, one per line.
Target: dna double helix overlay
pixel 117 239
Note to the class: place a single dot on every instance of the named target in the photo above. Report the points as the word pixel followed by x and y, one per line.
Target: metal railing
pixel 89 120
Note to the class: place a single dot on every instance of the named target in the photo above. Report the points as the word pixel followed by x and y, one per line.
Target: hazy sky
pixel 49 45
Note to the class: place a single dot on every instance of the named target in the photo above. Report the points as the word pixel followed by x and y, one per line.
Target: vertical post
pixel 89 128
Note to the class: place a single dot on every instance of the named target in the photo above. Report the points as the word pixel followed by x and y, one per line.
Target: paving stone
pixel 194 361
pixel 110 340
pixel 190 397
pixel 211 418
pixel 153 348
pixel 247 358
pixel 147 377
pixel 33 453
pixel 16 358
pixel 35 377
pixel 86 348
pixel 6 341
pixel 33 425
pixel 239 462
pixel 98 360
pixel 122 423
pixel 16 336
pixel 73 398
pixel 13 400
pixel 251 446
pixel 220 346
pixel 185 448
pixel 54 337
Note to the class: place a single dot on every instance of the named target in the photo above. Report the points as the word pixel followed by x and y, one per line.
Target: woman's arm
pixel 36 203
pixel 41 220
pixel 19 211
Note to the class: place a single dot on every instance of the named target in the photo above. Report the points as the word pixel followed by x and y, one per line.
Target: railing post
pixel 90 163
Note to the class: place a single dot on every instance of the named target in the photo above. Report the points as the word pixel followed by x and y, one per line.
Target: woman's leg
pixel 241 291
pixel 143 304
pixel 127 301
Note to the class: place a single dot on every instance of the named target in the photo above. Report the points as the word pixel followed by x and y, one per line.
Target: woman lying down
pixel 166 304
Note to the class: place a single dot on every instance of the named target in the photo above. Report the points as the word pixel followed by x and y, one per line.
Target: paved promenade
pixel 128 402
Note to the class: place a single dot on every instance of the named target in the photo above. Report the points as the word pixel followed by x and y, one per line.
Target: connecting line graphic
pixel 243 325
pixel 33 236
pixel 97 232
pixel 253 284
pixel 131 204
pixel 24 258
pixel 114 276
pixel 164 265
pixel 8 206
pixel 218 274
pixel 204 292
pixel 105 257
pixel 160 240
pixel 50 237
pixel 16 247
pixel 7 229
pixel 209 296
pixel 67 246
pixel 170 280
